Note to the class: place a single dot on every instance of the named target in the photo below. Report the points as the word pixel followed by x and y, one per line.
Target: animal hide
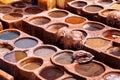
pixel 70 38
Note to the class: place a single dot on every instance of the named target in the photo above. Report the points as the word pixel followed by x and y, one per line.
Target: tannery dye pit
pixel 29 43
pixel 31 63
pixel 15 56
pixel 92 26
pixel 9 35
pixel 97 42
pixel 40 20
pixel 79 4
pixel 5 9
pixel 52 73
pixel 58 14
pixel 64 58
pixel 93 8
pixel 45 51
pixel 90 69
pixel 12 16
pixel 75 20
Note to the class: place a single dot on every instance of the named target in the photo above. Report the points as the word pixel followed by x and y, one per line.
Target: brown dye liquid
pixel 12 16
pixel 55 27
pixel 96 42
pixel 40 21
pixel 64 58
pixel 90 69
pixel 33 10
pixel 112 76
pixel 58 14
pixel 93 8
pixel 44 52
pixel 75 20
pixel 79 4
pixel 112 36
pixel 115 6
pixel 5 9
pixel 114 50
pixel 32 65
pixel 18 10
pixel 15 56
pixel 51 73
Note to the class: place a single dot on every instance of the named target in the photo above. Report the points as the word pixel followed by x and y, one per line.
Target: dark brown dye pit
pixel 12 16
pixel 93 8
pixel 51 73
pixel 31 63
pixel 26 43
pixel 58 14
pixel 105 2
pixel 15 56
pixel 93 26
pixel 19 4
pixel 9 35
pixel 112 34
pixel 5 48
pixel 79 4
pixel 112 76
pixel 55 27
pixel 114 50
pixel 18 10
pixel 5 9
pixel 40 20
pixel 90 69
pixel 64 58
pixel 97 42
pixel 45 51
pixel 75 20
pixel 33 10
